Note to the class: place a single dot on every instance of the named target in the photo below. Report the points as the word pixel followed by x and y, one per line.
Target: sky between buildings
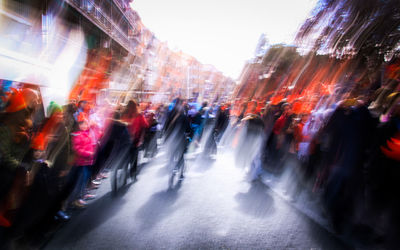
pixel 223 32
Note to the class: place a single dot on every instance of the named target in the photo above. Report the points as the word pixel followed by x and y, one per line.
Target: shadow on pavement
pixel 142 168
pixel 158 207
pixel 163 171
pixel 93 216
pixel 257 201
pixel 204 164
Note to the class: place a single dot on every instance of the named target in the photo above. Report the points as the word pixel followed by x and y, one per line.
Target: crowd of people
pixel 53 161
pixel 344 152
pixel 341 150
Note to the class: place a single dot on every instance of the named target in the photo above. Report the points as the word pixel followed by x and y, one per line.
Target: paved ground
pixel 214 207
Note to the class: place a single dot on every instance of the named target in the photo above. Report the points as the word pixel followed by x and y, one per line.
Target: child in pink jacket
pixel 84 145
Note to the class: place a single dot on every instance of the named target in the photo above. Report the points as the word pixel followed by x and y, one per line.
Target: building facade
pixel 108 48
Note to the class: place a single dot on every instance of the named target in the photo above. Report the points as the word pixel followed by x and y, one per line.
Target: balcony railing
pixel 93 12
pixel 128 14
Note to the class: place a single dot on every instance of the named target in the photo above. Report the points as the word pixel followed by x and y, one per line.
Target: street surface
pixel 213 207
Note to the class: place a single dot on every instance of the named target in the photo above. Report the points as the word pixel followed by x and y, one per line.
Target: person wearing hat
pixel 14 143
pixel 48 189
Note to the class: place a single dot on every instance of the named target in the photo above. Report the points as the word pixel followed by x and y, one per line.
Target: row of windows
pixel 103 9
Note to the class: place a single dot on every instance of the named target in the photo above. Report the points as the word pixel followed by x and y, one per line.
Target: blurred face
pixel 286 109
pixel 83 126
pixel 59 115
pixel 83 105
pixel 37 154
pixel 33 103
pixel 134 109
pixel 304 118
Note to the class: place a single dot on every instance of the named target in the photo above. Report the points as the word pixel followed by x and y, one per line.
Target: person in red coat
pixel 137 126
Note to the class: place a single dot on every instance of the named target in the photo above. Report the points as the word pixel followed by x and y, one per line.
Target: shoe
pixel 92 186
pixel 61 215
pixel 89 197
pixel 104 175
pixel 95 182
pixel 80 204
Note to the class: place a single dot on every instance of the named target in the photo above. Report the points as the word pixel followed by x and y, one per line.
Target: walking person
pixel 137 126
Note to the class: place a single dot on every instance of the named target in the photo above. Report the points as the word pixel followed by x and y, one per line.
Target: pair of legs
pixel 132 158
pixel 79 177
pixel 177 161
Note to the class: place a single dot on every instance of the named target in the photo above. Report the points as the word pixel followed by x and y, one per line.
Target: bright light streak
pixel 54 65
pixel 65 70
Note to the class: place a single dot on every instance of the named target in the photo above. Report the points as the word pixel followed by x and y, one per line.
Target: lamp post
pixel 188 83
pixel 140 77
